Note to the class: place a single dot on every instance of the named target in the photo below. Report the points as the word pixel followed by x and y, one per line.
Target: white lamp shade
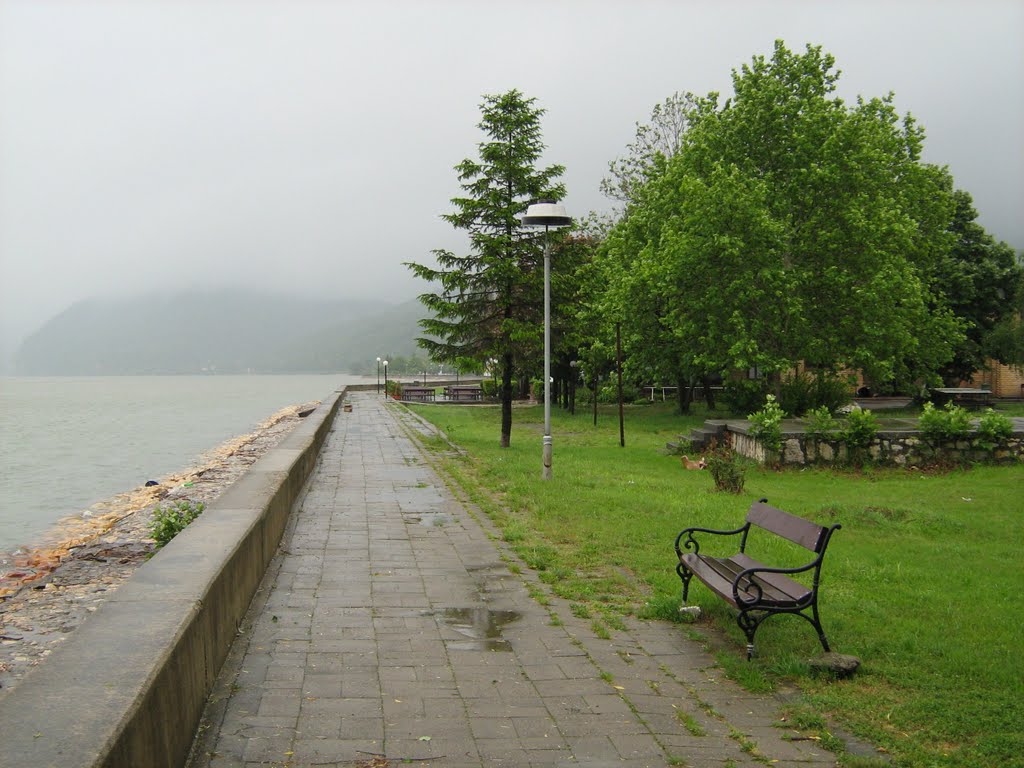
pixel 546 215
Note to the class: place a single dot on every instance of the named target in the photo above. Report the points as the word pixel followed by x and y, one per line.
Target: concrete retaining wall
pixel 128 688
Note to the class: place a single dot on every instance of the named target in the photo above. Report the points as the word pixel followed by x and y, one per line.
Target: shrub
pixel 943 425
pixel 993 429
pixel 821 424
pixel 744 395
pixel 832 392
pixel 796 394
pixel 609 393
pixel 766 424
pixel 170 521
pixel 725 468
pixel 858 432
pixel 802 392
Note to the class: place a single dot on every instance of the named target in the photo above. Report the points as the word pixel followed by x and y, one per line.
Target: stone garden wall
pixel 901 449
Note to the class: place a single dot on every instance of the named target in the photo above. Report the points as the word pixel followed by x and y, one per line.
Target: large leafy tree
pixel 982 282
pixel 488 301
pixel 654 143
pixel 792 227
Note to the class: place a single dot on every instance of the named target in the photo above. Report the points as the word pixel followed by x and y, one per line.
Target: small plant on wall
pixel 821 427
pixel 944 425
pixel 766 426
pixel 168 522
pixel 858 433
pixel 994 430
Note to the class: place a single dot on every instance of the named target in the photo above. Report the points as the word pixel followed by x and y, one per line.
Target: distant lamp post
pixel 550 215
pixel 378 375
pixel 385 379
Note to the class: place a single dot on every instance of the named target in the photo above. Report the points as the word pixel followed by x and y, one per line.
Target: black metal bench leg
pixel 817 626
pixel 749 626
pixel 685 574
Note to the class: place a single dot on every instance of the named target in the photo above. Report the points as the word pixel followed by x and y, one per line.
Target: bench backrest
pixel 803 532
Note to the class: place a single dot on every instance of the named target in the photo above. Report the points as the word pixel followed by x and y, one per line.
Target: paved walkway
pixel 390 628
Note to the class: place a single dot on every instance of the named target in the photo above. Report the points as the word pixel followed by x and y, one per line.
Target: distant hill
pixel 227 331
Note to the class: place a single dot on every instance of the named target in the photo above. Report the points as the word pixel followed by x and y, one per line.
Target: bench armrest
pixel 752 592
pixel 691 543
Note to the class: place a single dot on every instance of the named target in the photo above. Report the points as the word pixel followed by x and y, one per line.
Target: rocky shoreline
pixel 49 590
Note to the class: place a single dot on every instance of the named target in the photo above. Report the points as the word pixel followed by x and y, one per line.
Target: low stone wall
pixel 128 688
pixel 903 448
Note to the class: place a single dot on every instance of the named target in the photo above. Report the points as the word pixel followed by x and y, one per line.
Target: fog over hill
pixel 225 331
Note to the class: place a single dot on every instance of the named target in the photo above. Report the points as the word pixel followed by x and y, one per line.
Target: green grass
pixel 922 582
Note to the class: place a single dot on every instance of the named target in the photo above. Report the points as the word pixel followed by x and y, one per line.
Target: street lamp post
pixel 385 379
pixel 550 215
pixel 378 375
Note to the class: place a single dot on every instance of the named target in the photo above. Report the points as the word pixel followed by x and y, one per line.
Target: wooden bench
pixel 418 394
pixel 971 397
pixel 757 590
pixel 463 392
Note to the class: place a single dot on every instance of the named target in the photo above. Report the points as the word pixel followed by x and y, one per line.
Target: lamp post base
pixel 546 458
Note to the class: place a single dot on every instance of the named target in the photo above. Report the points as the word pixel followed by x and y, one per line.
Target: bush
pixel 943 425
pixel 725 468
pixel 170 521
pixel 832 392
pixel 994 429
pixel 803 392
pixel 858 432
pixel 489 388
pixel 766 424
pixel 609 393
pixel 796 394
pixel 821 425
pixel 744 395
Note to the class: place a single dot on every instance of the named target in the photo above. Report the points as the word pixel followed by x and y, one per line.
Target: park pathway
pixel 390 630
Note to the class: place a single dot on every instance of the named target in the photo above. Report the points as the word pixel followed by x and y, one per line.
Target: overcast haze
pixel 309 146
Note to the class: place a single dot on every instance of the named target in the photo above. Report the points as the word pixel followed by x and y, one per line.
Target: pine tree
pixel 488 303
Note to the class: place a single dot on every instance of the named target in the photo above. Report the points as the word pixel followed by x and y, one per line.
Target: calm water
pixel 66 443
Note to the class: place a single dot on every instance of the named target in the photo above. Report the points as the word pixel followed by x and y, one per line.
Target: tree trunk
pixel 709 394
pixel 506 401
pixel 684 395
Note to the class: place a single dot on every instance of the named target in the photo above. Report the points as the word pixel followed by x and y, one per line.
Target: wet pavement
pixel 391 630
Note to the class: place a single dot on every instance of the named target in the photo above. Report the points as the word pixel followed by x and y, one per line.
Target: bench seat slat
pixel 719 573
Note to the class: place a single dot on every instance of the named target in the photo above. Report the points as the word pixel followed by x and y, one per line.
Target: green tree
pixel 981 281
pixel 791 227
pixel 655 142
pixel 489 300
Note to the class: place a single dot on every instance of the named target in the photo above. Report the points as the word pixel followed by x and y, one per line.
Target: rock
pixel 838 665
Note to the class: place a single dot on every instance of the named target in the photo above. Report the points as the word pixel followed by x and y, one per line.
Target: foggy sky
pixel 309 146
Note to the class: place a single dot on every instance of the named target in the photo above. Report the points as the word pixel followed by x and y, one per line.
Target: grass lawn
pixel 921 583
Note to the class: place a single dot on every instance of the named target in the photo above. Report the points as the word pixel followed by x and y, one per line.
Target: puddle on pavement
pixel 481 626
pixel 430 519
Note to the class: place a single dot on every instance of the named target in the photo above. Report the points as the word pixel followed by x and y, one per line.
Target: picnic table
pixel 418 394
pixel 650 391
pixel 459 392
pixel 972 396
